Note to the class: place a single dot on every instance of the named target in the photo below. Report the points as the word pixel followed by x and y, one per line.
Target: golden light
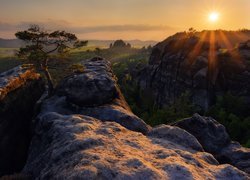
pixel 213 16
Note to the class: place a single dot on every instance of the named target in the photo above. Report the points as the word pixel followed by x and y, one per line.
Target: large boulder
pixel 236 155
pixel 211 134
pixel 215 140
pixel 176 135
pixel 20 88
pixel 81 147
pixel 96 86
pixel 94 93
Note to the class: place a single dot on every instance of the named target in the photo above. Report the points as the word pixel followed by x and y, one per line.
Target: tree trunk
pixel 48 77
pixel 49 81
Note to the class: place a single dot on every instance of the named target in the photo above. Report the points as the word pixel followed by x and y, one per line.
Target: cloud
pixel 120 28
pixel 50 24
pixel 6 26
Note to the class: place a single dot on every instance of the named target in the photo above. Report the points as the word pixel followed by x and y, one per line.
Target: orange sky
pixel 126 19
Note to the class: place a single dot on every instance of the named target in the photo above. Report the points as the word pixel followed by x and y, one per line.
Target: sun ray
pixel 241 36
pixel 197 48
pixel 212 59
pixel 235 54
pixel 225 40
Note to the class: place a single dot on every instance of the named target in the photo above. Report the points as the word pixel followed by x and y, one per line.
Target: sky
pixel 122 19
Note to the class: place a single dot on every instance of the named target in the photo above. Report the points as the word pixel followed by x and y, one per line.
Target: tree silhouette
pixel 41 45
pixel 191 32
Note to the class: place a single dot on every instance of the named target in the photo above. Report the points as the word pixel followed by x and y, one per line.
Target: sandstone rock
pixel 81 147
pixel 176 135
pixel 182 63
pixel 210 133
pixel 94 93
pixel 20 88
pixel 118 114
pixel 73 140
pixel 214 139
pixel 15 78
pixel 245 45
pixel 96 86
pixel 236 155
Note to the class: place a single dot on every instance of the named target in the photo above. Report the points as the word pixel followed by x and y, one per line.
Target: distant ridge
pixel 15 43
pixel 10 43
pixel 226 39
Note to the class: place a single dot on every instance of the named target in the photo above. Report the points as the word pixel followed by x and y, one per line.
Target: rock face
pixel 96 94
pixel 96 86
pixel 184 63
pixel 82 147
pixel 20 88
pixel 74 140
pixel 215 140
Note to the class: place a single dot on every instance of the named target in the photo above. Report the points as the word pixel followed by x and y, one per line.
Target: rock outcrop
pixel 20 88
pixel 215 140
pixel 82 147
pixel 184 63
pixel 75 139
pixel 94 93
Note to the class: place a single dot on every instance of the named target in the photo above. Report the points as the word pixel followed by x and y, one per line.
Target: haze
pixel 126 19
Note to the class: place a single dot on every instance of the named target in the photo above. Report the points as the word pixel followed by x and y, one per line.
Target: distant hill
pixel 134 43
pixel 15 43
pixel 226 39
pixel 10 43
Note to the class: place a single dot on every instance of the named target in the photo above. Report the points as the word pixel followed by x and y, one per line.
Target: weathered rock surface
pixel 74 140
pixel 20 88
pixel 184 63
pixel 105 102
pixel 82 147
pixel 215 140
pixel 175 134
pixel 97 86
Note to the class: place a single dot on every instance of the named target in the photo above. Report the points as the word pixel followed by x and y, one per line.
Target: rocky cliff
pixel 20 88
pixel 215 140
pixel 87 131
pixel 184 63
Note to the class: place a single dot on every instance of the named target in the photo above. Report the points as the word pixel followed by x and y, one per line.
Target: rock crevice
pixel 20 88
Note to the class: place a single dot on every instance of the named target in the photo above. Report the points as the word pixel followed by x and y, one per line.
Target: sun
pixel 213 16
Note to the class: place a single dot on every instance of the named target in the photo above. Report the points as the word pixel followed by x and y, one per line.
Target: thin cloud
pixel 120 28
pixel 6 26
pixel 60 24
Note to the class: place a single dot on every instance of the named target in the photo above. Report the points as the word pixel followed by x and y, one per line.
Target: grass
pixel 8 59
pixel 8 63
pixel 7 52
pixel 60 66
pixel 87 48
